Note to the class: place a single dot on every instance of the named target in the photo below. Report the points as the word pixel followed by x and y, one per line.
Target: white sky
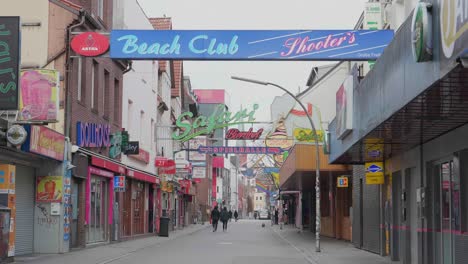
pixel 254 14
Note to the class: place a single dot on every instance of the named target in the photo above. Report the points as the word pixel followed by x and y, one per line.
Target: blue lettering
pixel 192 44
pixel 130 44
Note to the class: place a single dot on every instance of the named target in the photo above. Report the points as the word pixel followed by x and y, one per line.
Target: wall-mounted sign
pixel 235 134
pixel 9 62
pixel 453 27
pixel 239 150
pixel 306 135
pixel 125 139
pixel 160 161
pixel 195 143
pixel 49 189
pixel 169 168
pixel 133 148
pixel 342 182
pixel 421 32
pixel 142 156
pixel 249 44
pixel 91 135
pixel 198 163
pixel 119 183
pixel 90 44
pixel 199 173
pixel 374 173
pixel 278 138
pixel 45 141
pixel 374 149
pixel 344 108
pixel 373 16
pixel 16 135
pixel 39 96
pixel 220 118
pixel 115 148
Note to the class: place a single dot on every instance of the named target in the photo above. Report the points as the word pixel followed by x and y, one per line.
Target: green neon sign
pixel 202 125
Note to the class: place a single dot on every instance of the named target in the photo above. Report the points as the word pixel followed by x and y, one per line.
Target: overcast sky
pixel 254 14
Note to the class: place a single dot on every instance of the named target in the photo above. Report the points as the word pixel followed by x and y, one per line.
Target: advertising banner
pixel 199 173
pixel 9 62
pixel 68 210
pixel 344 108
pixel 239 150
pixel 39 96
pixel 49 189
pixel 194 144
pixel 45 141
pixel 332 45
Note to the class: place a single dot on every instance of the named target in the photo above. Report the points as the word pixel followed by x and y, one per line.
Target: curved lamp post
pixel 317 171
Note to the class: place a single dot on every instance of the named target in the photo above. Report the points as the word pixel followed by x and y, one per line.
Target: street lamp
pixel 317 171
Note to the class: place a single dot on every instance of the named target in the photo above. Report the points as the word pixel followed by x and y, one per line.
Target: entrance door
pixel 97 231
pixel 138 207
pixel 151 209
pixel 448 211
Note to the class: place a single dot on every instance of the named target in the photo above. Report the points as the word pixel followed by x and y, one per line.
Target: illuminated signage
pixel 239 150
pixel 10 48
pixel 249 44
pixel 92 135
pixel 90 44
pixel 220 118
pixel 235 134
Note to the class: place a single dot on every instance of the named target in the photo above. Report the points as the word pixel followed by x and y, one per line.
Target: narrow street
pixel 245 242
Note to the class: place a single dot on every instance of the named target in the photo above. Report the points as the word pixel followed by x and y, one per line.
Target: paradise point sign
pixel 220 118
pixel 331 45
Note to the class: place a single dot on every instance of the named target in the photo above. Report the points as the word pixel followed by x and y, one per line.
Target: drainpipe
pixel 68 67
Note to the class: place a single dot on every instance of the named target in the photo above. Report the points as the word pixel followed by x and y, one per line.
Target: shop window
pixel 461 194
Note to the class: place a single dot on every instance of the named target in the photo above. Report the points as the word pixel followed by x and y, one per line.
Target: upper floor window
pixel 100 8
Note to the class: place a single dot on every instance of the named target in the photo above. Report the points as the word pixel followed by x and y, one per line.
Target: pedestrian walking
pixel 230 215
pixel 236 215
pixel 255 215
pixel 276 216
pixel 215 218
pixel 224 218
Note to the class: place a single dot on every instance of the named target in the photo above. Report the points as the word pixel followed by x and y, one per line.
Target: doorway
pixel 97 231
pixel 446 209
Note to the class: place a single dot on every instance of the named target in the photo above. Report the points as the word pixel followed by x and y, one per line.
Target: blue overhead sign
pixel 331 45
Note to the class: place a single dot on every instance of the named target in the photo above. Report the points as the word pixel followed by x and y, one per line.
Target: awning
pixel 142 176
pixel 440 109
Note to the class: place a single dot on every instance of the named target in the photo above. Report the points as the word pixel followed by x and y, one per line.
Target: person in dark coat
pixel 215 215
pixel 224 218
pixel 230 215
pixel 236 215
pixel 276 216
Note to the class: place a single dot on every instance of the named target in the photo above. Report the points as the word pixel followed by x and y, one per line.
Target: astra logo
pixel 374 168
pixel 453 23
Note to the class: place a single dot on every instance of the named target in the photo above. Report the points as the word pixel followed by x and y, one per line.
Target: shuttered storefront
pixel 24 210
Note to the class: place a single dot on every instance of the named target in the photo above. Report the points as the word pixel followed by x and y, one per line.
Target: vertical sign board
pixel 344 108
pixel 67 214
pixel 374 172
pixel 7 185
pixel 9 62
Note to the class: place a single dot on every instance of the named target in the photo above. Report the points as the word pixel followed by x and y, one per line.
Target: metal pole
pixel 317 171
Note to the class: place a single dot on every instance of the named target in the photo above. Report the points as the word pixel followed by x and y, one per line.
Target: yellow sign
pixel 374 173
pixel 374 148
pixel 276 178
pixel 342 182
pixel 306 135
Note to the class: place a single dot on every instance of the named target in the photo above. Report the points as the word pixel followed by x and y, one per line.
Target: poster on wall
pixel 67 214
pixel 49 189
pixel 10 61
pixel 39 95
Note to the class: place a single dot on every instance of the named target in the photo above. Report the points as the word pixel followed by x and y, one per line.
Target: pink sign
pixel 46 142
pixel 143 155
pixel 210 96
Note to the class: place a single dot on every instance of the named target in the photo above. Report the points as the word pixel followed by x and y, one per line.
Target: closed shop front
pixel 24 238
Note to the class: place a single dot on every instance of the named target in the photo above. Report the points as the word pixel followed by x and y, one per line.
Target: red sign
pixel 160 162
pixel 142 176
pixel 235 134
pixel 90 44
pixel 47 142
pixel 112 166
pixel 170 167
pixel 185 184
pixel 143 155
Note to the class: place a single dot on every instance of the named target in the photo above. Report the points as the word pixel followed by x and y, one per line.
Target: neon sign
pixel 220 118
pixel 235 134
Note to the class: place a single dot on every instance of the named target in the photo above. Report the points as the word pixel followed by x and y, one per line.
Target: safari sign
pixel 331 45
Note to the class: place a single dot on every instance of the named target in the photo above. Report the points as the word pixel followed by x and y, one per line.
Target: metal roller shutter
pixel 24 210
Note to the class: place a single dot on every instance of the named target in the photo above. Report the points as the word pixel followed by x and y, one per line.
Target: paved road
pixel 244 242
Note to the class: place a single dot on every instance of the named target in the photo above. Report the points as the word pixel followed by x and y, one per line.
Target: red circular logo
pixel 90 44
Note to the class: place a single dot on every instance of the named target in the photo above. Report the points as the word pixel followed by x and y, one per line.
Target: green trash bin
pixel 164 227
